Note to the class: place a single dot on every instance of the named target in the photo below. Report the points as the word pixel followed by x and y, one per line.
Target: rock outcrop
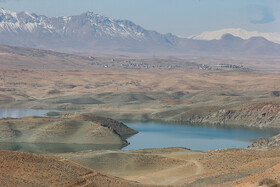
pixel 267 142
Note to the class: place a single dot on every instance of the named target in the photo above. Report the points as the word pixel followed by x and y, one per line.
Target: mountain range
pixel 92 33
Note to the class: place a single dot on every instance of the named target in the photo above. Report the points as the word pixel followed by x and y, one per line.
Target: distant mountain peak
pixel 92 14
pixel 241 33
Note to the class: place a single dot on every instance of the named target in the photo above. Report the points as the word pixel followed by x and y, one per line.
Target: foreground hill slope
pixel 183 167
pixel 26 170
pixel 149 167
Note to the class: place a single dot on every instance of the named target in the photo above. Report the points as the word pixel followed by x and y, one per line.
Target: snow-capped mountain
pixel 100 25
pixel 81 31
pixel 93 33
pixel 241 33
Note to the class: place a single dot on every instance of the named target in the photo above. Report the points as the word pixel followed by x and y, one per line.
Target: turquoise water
pixel 161 135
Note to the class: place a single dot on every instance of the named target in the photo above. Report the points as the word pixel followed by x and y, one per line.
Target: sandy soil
pixel 149 167
pixel 26 170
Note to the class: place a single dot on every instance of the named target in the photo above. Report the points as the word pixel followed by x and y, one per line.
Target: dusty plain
pixel 183 90
pixel 218 97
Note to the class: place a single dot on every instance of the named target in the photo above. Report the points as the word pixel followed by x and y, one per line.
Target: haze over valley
pixel 90 100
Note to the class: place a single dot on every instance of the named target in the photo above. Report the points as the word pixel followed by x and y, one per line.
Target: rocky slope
pixel 76 129
pixel 262 115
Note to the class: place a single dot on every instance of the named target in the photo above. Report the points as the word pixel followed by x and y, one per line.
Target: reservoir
pixel 195 137
pixel 21 112
pixel 151 135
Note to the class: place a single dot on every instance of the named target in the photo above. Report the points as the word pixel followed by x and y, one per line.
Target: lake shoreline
pixel 129 139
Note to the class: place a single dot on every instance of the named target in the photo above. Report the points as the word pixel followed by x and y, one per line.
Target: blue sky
pixel 180 17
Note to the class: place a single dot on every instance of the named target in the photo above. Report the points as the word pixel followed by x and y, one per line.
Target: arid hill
pixel 77 129
pixel 149 167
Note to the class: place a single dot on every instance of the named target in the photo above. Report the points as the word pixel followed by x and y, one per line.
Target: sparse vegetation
pixel 266 182
pixel 55 91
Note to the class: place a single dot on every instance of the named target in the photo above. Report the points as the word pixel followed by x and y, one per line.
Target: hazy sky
pixel 180 17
